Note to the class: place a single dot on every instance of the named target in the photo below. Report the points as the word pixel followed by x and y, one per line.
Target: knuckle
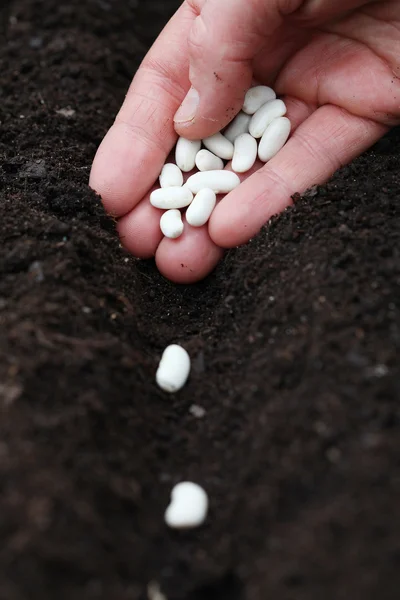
pixel 270 179
pixel 315 148
pixel 196 5
pixel 164 78
pixel 287 7
pixel 307 13
pixel 197 39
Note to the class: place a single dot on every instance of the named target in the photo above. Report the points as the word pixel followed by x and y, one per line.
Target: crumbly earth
pixel 295 345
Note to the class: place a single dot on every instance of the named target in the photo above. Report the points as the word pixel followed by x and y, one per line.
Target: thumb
pixel 225 37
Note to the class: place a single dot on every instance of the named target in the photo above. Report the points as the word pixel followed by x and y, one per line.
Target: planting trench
pixel 294 339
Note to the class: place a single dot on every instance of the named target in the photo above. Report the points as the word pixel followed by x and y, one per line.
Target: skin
pixel 336 63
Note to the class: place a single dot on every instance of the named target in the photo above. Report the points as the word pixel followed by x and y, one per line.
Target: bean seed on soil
pixel 173 369
pixel 188 507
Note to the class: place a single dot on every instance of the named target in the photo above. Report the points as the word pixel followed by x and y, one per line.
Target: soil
pixel 295 341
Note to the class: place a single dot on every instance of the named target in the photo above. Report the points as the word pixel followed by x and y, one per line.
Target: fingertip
pixel 190 131
pixel 190 258
pixel 227 233
pixel 124 169
pixel 221 100
pixel 231 223
pixel 108 174
pixel 209 122
pixel 140 231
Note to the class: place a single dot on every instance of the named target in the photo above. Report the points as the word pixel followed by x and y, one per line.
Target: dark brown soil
pixel 295 340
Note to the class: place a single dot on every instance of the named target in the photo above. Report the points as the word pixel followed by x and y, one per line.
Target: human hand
pixel 336 65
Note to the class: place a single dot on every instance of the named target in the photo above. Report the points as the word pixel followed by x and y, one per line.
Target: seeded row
pixel 259 130
pixel 189 502
pixel 262 118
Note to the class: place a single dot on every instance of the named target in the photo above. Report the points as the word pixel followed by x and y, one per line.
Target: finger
pixel 133 152
pixel 140 231
pixel 328 139
pixel 188 258
pixel 224 39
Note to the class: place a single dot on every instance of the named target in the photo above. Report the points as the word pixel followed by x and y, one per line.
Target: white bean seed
pixel 239 125
pixel 188 507
pixel 221 182
pixel 171 223
pixel 274 138
pixel 185 153
pixel 245 153
pixel 171 176
pixel 172 197
pixel 207 161
pixel 174 369
pixel 256 97
pixel 219 145
pixel 201 208
pixel 265 115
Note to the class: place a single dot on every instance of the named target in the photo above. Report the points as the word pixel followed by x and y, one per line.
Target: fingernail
pixel 187 110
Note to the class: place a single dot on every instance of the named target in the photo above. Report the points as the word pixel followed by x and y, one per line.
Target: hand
pixel 336 63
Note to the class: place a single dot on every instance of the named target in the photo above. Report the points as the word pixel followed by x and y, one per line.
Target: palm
pixel 351 64
pixel 342 92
